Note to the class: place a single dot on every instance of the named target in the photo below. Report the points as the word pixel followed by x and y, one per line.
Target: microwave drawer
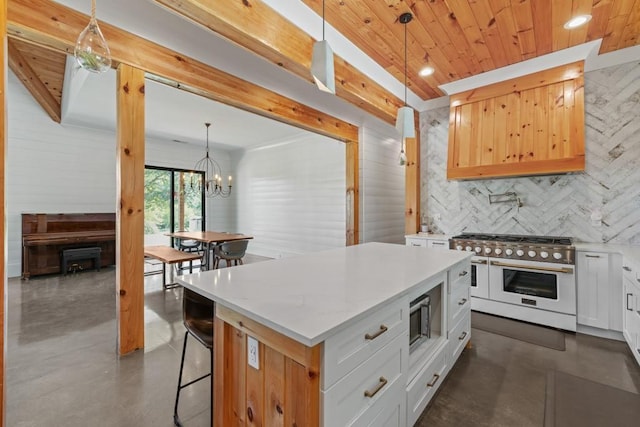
pixel 350 347
pixel 371 388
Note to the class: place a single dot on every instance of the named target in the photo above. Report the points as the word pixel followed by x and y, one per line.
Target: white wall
pixel 54 168
pixel 291 196
pixel 382 185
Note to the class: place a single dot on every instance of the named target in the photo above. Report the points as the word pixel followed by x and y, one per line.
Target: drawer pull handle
pixel 416 244
pixel 463 273
pixel 629 309
pixel 625 268
pixel 592 256
pixel 382 382
pixel 381 331
pixel 463 301
pixel 435 379
pixel 438 243
pixel 461 337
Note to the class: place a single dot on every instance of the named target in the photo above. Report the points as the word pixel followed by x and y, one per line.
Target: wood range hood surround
pixel 530 125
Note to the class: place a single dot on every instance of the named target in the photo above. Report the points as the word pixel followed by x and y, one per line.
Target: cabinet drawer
pixel 416 242
pixel 423 387
pixel 363 393
pixel 459 304
pixel 459 337
pixel 438 244
pixel 460 274
pixel 347 349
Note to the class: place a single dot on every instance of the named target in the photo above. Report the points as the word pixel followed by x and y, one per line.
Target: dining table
pixel 209 239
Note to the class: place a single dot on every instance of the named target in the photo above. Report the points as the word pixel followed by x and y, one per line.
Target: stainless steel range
pixel 530 278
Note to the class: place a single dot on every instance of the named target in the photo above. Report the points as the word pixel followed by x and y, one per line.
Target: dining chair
pixel 189 246
pixel 197 316
pixel 232 251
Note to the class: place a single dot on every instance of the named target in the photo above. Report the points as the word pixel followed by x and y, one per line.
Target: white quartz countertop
pixel 310 297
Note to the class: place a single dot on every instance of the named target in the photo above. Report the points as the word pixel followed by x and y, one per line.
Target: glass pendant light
pixel 405 119
pixel 92 52
pixel 322 63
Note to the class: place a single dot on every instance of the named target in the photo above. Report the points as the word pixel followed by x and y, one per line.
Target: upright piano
pixel 45 236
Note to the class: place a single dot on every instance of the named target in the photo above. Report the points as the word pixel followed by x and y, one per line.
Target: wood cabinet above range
pixel 530 125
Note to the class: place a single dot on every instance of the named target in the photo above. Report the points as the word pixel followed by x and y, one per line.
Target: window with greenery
pixel 173 201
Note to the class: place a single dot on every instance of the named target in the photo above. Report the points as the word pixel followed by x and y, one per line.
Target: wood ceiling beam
pixel 260 29
pixel 25 72
pixel 55 26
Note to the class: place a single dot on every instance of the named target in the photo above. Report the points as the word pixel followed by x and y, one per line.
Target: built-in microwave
pixel 419 325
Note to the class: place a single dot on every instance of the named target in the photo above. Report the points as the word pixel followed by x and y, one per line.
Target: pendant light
pixel 92 52
pixel 322 63
pixel 212 174
pixel 405 119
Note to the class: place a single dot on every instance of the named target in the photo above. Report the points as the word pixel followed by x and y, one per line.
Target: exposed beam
pixel 130 209
pixel 353 193
pixel 412 182
pixel 56 26
pixel 27 75
pixel 260 29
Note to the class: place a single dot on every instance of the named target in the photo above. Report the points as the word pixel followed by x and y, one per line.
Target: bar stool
pixel 197 313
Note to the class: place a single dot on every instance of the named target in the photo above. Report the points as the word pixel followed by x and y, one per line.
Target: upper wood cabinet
pixel 531 125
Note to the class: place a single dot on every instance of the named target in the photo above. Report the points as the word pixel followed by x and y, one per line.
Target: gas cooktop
pixel 530 248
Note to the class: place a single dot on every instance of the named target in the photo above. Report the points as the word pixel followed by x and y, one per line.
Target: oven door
pixel 480 277
pixel 541 285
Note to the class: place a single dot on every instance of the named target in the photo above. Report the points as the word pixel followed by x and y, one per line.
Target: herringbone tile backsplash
pixel 556 205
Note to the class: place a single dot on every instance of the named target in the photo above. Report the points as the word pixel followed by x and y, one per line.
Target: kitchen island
pixel 323 339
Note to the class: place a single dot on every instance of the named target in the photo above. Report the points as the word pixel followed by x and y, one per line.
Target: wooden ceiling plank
pixel 631 32
pixel 599 19
pixel 489 29
pixel 48 65
pixel 523 18
pixel 541 12
pixel 56 26
pixel 451 26
pixel 505 21
pixel 258 28
pixel 464 15
pixel 25 72
pixel 615 27
pixel 579 35
pixel 560 13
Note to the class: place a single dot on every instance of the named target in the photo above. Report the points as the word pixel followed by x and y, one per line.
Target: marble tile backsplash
pixel 555 205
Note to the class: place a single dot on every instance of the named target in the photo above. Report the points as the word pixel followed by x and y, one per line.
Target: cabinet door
pixel 631 319
pixel 438 244
pixel 416 242
pixel 593 289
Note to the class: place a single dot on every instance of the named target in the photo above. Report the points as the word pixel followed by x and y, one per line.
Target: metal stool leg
pixel 176 419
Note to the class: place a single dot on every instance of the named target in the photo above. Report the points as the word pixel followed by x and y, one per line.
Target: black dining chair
pixel 197 316
pixel 232 251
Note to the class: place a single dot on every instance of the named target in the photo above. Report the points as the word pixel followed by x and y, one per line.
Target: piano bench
pixel 80 254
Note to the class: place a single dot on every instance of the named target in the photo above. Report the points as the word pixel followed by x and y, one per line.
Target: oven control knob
pixel 519 252
pixel 468 248
pixel 498 251
pixel 478 249
pixel 459 247
pixel 509 252
pixel 557 255
pixel 487 250
pixel 531 254
pixel 544 254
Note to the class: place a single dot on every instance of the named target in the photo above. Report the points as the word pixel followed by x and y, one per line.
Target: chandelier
pixel 212 174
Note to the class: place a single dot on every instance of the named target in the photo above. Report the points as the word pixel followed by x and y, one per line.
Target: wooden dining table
pixel 209 239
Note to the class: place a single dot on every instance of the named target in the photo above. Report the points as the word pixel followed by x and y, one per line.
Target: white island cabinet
pixel 333 335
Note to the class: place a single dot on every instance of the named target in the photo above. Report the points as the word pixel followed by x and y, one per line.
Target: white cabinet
pixel 416 241
pixel 436 241
pixel 599 290
pixel 631 308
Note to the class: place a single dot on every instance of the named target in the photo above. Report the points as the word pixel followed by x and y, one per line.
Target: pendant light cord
pixel 93 9
pixel 322 19
pixel 405 65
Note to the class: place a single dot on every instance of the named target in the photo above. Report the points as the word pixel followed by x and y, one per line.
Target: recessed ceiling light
pixel 427 71
pixel 577 21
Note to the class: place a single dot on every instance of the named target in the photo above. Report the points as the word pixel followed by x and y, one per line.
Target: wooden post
pixel 130 209
pixel 353 193
pixel 412 182
pixel 3 204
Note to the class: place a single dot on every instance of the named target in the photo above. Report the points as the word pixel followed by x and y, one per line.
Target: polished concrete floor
pixel 62 368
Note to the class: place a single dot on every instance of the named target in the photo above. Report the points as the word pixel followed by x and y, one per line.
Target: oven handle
pixel 484 261
pixel 527 267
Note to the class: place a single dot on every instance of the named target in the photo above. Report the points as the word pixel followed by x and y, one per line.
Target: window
pixel 173 201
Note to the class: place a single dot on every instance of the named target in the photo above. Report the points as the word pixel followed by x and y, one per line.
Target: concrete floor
pixel 61 367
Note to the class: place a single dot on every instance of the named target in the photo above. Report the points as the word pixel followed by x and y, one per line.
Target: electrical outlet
pixel 253 352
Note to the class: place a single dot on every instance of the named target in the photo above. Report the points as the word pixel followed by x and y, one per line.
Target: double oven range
pixel 530 278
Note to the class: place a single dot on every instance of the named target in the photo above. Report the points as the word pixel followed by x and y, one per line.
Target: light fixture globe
pixel 91 51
